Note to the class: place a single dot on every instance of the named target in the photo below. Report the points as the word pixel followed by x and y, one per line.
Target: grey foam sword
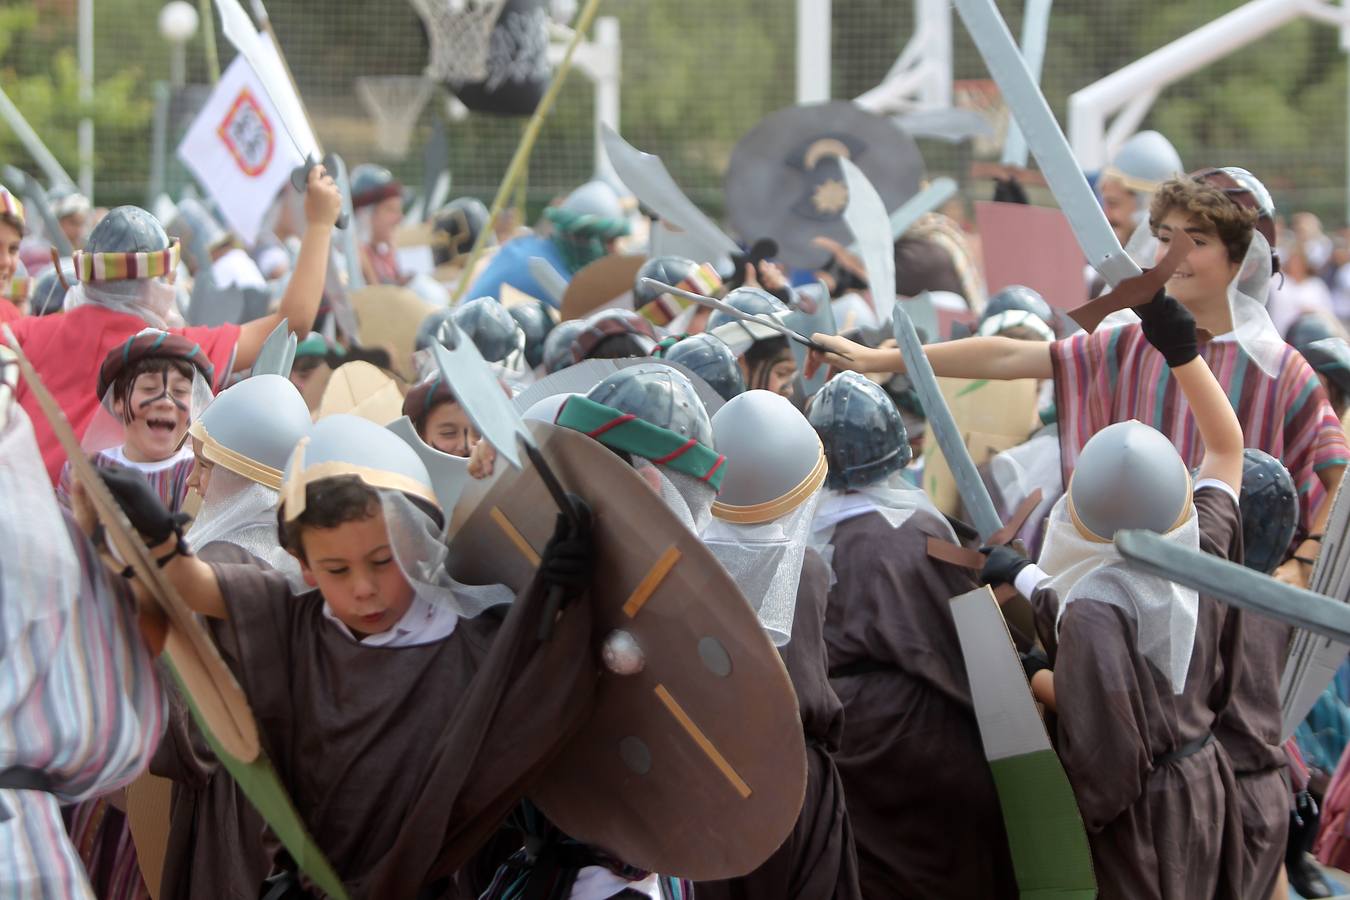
pixel 1131 286
pixel 1236 585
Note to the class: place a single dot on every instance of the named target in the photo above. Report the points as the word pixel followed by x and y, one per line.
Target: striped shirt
pixel 79 699
pixel 169 477
pixel 1115 375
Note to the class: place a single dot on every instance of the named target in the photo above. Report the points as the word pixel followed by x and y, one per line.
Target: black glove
pixel 142 505
pixel 1170 328
pixel 1035 660
pixel 568 558
pixel 1001 565
pixel 1010 190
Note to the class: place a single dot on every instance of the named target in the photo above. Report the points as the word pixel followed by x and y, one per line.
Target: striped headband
pixel 125 266
pixel 626 432
pixel 10 206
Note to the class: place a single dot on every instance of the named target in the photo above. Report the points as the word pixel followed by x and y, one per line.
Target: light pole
pixel 178 22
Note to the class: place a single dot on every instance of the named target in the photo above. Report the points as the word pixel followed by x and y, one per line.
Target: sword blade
pixel 1236 585
pixel 646 176
pixel 1046 140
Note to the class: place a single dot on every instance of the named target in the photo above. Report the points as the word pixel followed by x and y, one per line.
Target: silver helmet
pixel 493 331
pixel 343 444
pixel 710 359
pixel 863 434
pixel 775 459
pixel 1128 476
pixel 1145 161
pixel 252 428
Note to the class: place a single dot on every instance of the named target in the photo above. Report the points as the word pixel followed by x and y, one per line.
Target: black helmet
pixel 1017 296
pixel 49 293
pixel 455 228
pixel 665 269
pixel 711 360
pixel 1269 511
pixel 492 329
pixel 536 324
pixel 558 344
pixel 864 437
pixel 430 328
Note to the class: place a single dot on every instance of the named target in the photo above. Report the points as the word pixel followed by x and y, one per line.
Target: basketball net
pixel 395 103
pixel 459 31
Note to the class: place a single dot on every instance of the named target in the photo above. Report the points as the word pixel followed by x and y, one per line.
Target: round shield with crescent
pixel 692 762
pixel 784 181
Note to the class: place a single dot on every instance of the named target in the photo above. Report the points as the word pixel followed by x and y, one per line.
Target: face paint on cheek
pixel 163 395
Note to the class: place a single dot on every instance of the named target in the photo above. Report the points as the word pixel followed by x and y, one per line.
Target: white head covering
pixel 894 498
pixel 240 511
pixel 1165 613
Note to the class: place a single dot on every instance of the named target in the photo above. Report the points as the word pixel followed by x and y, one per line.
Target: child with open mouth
pixel 151 387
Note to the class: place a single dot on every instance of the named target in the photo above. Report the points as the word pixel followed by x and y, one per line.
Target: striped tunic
pixel 79 699
pixel 1115 375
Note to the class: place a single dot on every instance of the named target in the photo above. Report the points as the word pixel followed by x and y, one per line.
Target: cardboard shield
pixel 1034 246
pixel 602 284
pixel 359 389
pixel 695 765
pixel 991 416
pixel 387 316
pixel 784 180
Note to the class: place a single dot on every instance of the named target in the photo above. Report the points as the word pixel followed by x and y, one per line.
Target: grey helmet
pixel 1145 161
pixel 594 198
pixel 862 431
pixel 127 229
pixel 252 428
pixel 1129 476
pixel 49 292
pixel 493 331
pixel 1019 296
pixel 659 395
pixel 665 269
pixel 710 359
pixel 372 183
pixel 353 445
pixel 1311 327
pixel 1330 358
pixel 430 327
pixel 1270 509
pixel 775 459
pixel 558 345
pixel 455 227
pixel 536 324
pixel 756 301
pixel 199 232
pixel 1016 323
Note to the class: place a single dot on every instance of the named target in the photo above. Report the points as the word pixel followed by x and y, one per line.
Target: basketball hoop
pixel 460 31
pixel 395 102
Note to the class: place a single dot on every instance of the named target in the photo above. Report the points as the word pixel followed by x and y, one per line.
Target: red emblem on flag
pixel 248 133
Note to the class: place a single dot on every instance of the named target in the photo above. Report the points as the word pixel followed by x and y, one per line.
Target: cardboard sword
pixel 1130 285
pixel 1236 585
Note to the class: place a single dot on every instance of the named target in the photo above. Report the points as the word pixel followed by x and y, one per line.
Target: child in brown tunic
pixel 1143 668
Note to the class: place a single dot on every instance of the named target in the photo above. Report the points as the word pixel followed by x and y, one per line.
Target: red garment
pixel 384 263
pixel 68 348
pixel 8 311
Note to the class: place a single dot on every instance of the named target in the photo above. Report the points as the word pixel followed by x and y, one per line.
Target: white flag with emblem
pixel 237 150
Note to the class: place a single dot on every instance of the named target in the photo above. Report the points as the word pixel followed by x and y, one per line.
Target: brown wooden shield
pixel 695 766
pixel 359 389
pixel 600 284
